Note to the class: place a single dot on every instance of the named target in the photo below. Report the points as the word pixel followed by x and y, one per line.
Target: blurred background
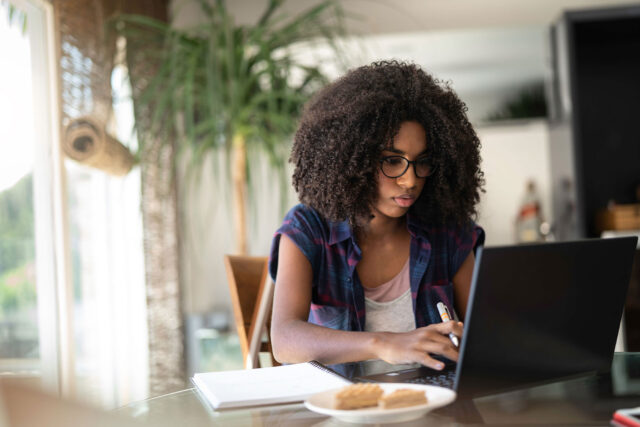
pixel 141 141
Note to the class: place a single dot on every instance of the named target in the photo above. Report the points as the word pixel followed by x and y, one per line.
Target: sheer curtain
pixel 105 228
pixel 109 315
pixel 123 263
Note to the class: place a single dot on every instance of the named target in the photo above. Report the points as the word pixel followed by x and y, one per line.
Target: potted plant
pixel 220 87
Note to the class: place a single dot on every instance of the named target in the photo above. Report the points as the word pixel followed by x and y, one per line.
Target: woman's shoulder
pixel 305 218
pixel 302 212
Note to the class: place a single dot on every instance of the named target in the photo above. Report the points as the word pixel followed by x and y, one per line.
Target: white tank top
pixel 389 307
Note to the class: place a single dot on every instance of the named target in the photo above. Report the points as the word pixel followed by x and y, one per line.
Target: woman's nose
pixel 408 179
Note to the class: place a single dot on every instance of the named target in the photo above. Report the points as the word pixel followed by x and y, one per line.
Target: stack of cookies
pixel 402 398
pixel 356 396
pixel 365 395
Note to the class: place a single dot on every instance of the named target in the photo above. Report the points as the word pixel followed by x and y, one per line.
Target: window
pixel 29 207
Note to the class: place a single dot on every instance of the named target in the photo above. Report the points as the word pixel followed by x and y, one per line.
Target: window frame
pixel 53 287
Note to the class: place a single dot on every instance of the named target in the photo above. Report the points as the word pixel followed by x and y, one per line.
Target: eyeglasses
pixel 396 166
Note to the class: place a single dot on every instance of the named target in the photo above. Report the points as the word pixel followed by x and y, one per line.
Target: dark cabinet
pixel 595 109
pixel 594 98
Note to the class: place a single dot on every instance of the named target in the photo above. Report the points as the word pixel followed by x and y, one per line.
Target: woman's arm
pixel 294 339
pixel 462 285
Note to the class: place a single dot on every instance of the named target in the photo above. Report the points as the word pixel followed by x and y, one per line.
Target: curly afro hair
pixel 346 126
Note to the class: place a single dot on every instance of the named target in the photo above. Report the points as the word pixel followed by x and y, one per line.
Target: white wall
pixel 410 16
pixel 511 155
pixel 207 227
pixel 486 67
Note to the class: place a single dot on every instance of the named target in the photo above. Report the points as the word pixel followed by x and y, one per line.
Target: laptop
pixel 537 313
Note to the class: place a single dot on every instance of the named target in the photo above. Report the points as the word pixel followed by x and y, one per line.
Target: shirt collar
pixel 339 231
pixel 415 226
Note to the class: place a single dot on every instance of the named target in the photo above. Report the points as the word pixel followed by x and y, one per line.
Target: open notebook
pixel 266 386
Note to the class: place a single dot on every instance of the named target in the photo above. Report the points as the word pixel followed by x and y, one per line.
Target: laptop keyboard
pixel 445 379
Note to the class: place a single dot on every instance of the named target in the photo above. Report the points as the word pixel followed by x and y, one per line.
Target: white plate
pixel 322 403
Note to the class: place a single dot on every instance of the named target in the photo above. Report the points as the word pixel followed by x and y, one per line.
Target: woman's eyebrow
pixel 396 151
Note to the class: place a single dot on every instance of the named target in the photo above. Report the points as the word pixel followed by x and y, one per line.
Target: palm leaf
pixel 218 79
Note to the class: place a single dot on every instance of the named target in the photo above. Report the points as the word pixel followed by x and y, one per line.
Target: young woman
pixel 387 170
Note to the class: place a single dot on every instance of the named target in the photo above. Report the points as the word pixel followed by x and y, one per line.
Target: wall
pixel 410 16
pixel 486 67
pixel 511 155
pixel 207 227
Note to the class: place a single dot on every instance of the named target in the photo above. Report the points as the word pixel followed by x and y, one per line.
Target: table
pixel 587 400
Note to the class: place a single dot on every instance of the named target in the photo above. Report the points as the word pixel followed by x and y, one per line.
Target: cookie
pixel 403 397
pixel 354 396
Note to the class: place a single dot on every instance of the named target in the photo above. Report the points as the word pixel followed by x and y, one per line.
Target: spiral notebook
pixel 266 386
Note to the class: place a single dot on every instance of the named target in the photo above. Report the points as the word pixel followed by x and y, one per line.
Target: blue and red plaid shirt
pixel 337 298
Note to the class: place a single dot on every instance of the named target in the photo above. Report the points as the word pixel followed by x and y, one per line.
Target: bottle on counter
pixel 529 219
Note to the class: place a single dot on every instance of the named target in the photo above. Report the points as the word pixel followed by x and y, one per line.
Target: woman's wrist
pixel 378 344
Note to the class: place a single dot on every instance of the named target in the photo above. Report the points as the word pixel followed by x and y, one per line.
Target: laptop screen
pixel 543 311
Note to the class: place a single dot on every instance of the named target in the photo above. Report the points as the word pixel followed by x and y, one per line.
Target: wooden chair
pixel 252 297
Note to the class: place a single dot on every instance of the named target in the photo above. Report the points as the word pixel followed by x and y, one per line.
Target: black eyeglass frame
pixel 408 163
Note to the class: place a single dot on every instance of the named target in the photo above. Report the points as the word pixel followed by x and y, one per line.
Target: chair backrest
pixel 251 291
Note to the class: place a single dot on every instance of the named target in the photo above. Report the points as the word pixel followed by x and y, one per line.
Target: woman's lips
pixel 404 201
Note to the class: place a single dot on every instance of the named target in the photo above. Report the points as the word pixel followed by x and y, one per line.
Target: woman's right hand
pixel 417 345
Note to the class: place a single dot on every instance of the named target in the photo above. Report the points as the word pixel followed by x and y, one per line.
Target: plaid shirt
pixel 337 298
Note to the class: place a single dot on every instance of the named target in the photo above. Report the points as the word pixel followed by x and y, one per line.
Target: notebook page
pixel 280 384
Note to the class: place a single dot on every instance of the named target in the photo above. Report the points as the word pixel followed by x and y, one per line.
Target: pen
pixel 445 316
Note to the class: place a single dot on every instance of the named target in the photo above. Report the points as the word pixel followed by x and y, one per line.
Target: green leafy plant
pixel 220 87
pixel 17 225
pixel 527 103
pixel 17 289
pixel 17 251
pixel 15 16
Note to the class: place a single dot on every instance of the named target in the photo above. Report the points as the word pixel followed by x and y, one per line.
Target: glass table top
pixel 587 400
